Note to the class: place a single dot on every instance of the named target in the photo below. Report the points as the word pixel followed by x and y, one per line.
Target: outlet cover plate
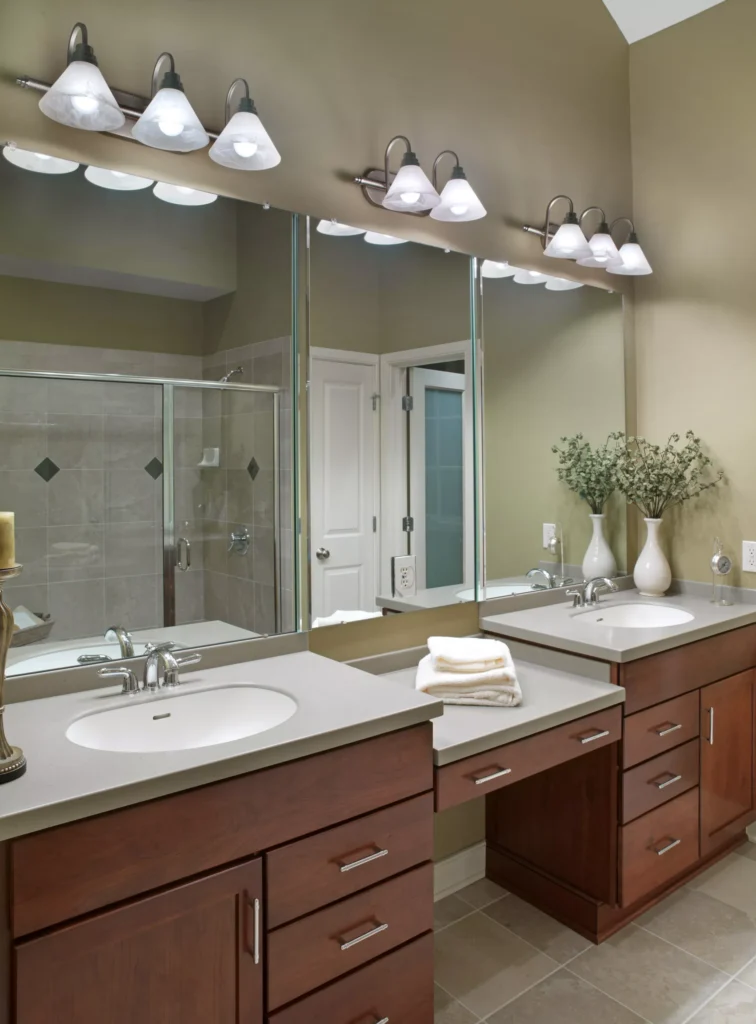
pixel 549 533
pixel 749 556
pixel 404 575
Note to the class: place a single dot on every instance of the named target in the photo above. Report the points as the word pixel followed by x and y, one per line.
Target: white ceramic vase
pixel 652 573
pixel 599 560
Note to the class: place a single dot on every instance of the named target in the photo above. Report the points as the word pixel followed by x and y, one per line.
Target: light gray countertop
pixel 64 782
pixel 561 626
pixel 550 697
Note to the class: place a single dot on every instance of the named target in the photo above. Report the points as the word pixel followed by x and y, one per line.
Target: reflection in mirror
pixel 145 417
pixel 391 428
pixel 553 368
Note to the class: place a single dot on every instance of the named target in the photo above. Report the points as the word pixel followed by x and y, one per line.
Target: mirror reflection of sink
pixel 183 721
pixel 505 590
pixel 67 657
pixel 636 616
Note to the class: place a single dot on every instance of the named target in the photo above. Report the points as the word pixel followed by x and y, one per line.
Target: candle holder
pixel 12 760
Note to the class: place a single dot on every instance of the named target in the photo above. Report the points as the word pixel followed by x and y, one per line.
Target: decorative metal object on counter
pixel 12 760
pixel 721 566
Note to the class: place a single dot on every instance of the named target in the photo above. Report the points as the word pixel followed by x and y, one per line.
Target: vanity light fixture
pixel 376 238
pixel 568 242
pixel 169 122
pixel 562 284
pixel 411 190
pixel 182 195
pixel 631 260
pixel 530 277
pixel 80 97
pixel 244 144
pixel 492 269
pixel 337 229
pixel 41 163
pixel 602 246
pixel 458 200
pixel 117 181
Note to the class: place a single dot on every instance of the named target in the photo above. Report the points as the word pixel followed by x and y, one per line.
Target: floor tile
pixel 449 910
pixel 566 999
pixel 714 931
pixel 484 966
pixel 735 1004
pixel 748 976
pixel 656 980
pixel 748 849
pixel 540 930
pixel 449 1011
pixel 732 880
pixel 481 893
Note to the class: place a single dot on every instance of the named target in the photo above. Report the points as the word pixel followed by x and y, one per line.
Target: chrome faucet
pixel 161 656
pixel 124 639
pixel 589 594
pixel 550 580
pixel 130 682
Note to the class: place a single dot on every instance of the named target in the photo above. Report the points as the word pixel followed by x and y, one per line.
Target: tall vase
pixel 652 573
pixel 599 560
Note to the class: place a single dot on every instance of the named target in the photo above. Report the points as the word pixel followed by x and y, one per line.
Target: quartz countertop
pixel 337 705
pixel 551 697
pixel 560 626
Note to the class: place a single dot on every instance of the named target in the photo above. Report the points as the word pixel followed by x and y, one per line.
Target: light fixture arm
pixel 78 45
pixel 156 73
pixel 437 161
pixel 623 220
pixel 592 209
pixel 545 233
pixel 245 103
pixel 407 148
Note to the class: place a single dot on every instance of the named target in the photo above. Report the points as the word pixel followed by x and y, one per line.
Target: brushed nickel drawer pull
pixel 598 734
pixel 711 726
pixel 498 774
pixel 383 1020
pixel 367 935
pixel 667 782
pixel 665 849
pixel 666 729
pixel 256 946
pixel 350 865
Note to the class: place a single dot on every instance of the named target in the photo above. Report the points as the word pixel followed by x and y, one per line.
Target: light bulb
pixel 170 126
pixel 411 191
pixel 459 209
pixel 410 197
pixel 84 104
pixel 245 149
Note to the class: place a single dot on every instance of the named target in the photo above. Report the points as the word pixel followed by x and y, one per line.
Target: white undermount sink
pixel 183 721
pixel 636 616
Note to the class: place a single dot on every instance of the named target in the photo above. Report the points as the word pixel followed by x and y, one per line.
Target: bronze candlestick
pixel 12 760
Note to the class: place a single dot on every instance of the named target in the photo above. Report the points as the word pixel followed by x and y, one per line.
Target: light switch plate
pixel 403 576
pixel 549 533
pixel 749 556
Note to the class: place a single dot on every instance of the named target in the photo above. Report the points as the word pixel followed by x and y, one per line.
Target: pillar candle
pixel 7 540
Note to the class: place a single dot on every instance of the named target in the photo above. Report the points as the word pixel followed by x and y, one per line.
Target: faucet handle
pixel 190 659
pixel 130 682
pixel 578 598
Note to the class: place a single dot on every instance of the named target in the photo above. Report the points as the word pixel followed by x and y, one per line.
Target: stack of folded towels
pixel 469 670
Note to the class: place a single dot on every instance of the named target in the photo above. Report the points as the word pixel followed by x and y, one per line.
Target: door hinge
pixel 408 403
pixel 375 524
pixel 408 524
pixel 375 399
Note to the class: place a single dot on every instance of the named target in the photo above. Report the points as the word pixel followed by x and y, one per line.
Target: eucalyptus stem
pixel 655 478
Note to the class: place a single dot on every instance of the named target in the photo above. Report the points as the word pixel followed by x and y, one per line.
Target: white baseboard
pixel 459 870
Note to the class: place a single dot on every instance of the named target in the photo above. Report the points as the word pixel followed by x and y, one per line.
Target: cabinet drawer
pixel 306 875
pixel 398 987
pixel 659 846
pixel 316 949
pixel 476 776
pixel 660 728
pixel 659 780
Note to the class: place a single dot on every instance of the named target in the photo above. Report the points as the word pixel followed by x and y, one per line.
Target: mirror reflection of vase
pixel 599 560
pixel 652 573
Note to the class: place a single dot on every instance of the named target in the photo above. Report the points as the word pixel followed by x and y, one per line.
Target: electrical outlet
pixel 404 577
pixel 749 556
pixel 549 533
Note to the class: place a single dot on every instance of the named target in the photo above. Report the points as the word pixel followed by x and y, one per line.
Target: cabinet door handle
pixel 591 737
pixel 498 774
pixel 711 726
pixel 671 844
pixel 350 865
pixel 667 782
pixel 667 728
pixel 254 907
pixel 361 938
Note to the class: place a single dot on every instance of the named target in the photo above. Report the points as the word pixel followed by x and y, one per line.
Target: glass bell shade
pixel 530 277
pixel 561 284
pixel 490 268
pixel 337 229
pixel 244 145
pixel 376 238
pixel 631 261
pixel 569 243
pixel 458 201
pixel 182 195
pixel 40 163
pixel 81 98
pixel 602 249
pixel 118 181
pixel 169 122
pixel 411 190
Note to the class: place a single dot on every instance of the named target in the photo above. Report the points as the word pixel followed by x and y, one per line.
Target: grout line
pixel 464 917
pixel 519 995
pixel 707 1001
pixel 478 1020
pixel 751 963
pixel 687 952
pixel 619 1003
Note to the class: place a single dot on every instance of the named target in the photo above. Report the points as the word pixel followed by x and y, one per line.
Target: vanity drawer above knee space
pixel 660 728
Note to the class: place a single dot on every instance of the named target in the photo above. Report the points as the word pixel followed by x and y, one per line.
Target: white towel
pixel 496 687
pixel 468 654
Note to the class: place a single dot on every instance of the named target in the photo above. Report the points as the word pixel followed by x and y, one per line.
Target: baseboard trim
pixel 461 869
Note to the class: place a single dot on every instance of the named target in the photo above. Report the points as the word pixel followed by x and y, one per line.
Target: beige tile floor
pixel 690 959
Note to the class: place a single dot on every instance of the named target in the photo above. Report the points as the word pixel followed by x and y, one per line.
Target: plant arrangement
pixel 590 471
pixel 656 477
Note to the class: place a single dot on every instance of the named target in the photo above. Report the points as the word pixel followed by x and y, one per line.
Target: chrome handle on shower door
pixel 183 563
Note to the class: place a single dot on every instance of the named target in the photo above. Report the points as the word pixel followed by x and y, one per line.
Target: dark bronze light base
pixel 14 767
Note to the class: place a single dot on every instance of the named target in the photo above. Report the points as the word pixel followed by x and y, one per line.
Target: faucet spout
pixel 124 639
pixel 550 580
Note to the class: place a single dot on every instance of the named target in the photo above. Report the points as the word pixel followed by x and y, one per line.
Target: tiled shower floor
pixel 691 958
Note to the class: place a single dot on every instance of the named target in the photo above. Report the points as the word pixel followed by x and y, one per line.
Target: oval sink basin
pixel 185 721
pixel 637 616
pixel 489 593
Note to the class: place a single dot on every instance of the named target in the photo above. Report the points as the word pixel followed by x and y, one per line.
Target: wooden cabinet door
pixel 727 759
pixel 192 954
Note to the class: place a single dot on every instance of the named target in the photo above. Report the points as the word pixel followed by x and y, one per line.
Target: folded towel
pixel 339 618
pixel 468 654
pixel 495 687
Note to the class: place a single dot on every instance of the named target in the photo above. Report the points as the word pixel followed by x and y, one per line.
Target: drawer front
pixel 660 780
pixel 659 846
pixel 476 776
pixel 398 987
pixel 127 852
pixel 316 949
pixel 660 728
pixel 311 873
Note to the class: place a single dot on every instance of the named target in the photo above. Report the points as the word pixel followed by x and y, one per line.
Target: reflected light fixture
pixel 561 284
pixel 244 144
pixel 458 200
pixel 631 260
pixel 169 122
pixel 182 195
pixel 335 228
pixel 530 277
pixel 117 181
pixel 490 268
pixel 601 243
pixel 411 190
pixel 376 238
pixel 40 163
pixel 80 97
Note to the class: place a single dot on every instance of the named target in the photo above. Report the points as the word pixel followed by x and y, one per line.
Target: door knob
pixel 322 554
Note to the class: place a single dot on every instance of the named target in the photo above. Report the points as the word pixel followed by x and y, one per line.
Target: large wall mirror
pixel 391 437
pixel 146 414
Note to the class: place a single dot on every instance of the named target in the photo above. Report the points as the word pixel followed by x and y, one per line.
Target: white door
pixel 344 462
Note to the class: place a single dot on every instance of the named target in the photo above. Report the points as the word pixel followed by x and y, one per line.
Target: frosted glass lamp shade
pixel 602 249
pixel 489 268
pixel 182 195
pixel 118 181
pixel 244 145
pixel 458 201
pixel 81 98
pixel 40 163
pixel 631 261
pixel 530 277
pixel 376 238
pixel 169 122
pixel 411 190
pixel 337 229
pixel 569 243
pixel 561 284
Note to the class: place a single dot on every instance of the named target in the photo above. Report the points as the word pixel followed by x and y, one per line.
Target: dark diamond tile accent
pixel 47 470
pixel 155 468
pixel 253 469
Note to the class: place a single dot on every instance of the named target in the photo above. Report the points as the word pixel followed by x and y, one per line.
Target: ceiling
pixel 640 18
